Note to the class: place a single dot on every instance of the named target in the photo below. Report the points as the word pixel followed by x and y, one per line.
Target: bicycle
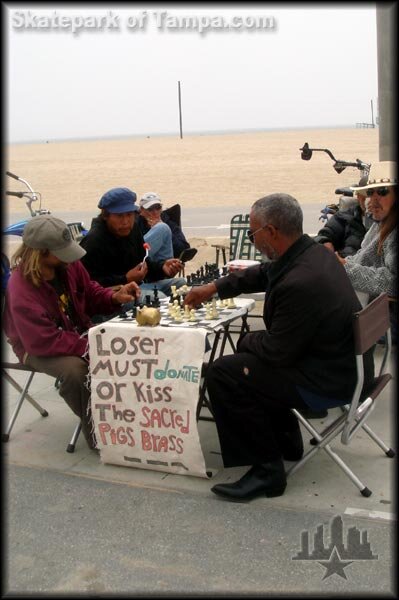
pixel 77 229
pixel 339 166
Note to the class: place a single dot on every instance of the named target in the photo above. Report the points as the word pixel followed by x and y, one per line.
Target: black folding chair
pixel 369 326
pixel 25 395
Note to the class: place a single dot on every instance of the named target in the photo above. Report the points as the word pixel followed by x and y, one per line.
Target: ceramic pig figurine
pixel 148 315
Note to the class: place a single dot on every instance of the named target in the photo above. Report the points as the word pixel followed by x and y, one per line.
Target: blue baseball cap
pixel 119 200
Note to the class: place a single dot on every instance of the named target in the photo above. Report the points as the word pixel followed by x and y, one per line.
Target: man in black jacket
pixel 115 252
pixel 303 358
pixel 345 230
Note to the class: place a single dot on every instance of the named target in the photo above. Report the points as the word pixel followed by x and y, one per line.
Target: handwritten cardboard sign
pixel 144 395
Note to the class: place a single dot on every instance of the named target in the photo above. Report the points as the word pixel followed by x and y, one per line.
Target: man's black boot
pixel 267 480
pixel 290 444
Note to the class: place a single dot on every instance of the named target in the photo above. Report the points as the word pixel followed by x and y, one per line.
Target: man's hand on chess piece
pixel 138 273
pixel 172 266
pixel 126 293
pixel 199 294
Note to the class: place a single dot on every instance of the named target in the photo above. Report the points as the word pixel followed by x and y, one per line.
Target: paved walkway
pixel 77 525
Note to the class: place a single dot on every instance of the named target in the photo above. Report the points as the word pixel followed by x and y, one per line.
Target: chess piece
pixel 156 302
pixel 186 316
pixel 192 315
pixel 214 311
pixel 208 315
pixel 178 315
pixel 231 303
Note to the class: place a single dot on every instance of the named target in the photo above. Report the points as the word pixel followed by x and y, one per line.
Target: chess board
pixel 224 314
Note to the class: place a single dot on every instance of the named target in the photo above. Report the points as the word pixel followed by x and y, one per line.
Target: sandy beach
pixel 196 171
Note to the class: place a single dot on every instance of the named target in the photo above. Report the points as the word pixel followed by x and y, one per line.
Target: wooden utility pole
pixel 180 119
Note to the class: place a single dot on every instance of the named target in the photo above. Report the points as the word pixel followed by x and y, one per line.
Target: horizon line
pixel 172 133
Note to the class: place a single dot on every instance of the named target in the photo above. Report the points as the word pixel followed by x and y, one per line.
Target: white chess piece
pixel 208 315
pixel 192 315
pixel 214 311
pixel 178 315
pixel 231 303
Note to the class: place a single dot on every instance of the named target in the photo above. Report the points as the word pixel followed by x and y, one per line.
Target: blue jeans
pixel 160 239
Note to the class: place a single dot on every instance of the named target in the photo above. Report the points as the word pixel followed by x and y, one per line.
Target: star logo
pixel 337 553
pixel 334 565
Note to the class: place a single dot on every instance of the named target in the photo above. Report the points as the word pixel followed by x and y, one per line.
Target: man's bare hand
pixel 341 260
pixel 126 293
pixel 329 246
pixel 199 294
pixel 138 273
pixel 172 266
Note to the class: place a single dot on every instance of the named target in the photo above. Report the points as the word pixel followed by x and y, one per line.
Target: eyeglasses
pixel 155 207
pixel 251 234
pixel 381 191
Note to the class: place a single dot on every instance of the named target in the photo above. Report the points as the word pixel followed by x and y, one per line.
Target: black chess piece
pixel 133 309
pixel 148 300
pixel 156 302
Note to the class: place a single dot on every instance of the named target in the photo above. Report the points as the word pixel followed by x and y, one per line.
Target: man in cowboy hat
pixel 372 270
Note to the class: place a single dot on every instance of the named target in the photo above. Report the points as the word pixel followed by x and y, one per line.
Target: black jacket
pixel 108 258
pixel 345 230
pixel 308 311
pixel 179 241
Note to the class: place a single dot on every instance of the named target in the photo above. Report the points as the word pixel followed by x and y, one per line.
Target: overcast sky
pixel 305 66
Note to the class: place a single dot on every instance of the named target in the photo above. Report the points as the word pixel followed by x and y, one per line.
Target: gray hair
pixel 280 210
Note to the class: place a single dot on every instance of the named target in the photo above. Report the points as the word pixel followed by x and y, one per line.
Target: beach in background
pixel 199 171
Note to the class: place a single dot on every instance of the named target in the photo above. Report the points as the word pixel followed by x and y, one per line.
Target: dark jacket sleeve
pixel 333 231
pixel 248 281
pixel 345 230
pixel 99 263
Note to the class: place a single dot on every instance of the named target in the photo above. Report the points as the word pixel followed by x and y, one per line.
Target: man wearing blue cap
pixel 115 252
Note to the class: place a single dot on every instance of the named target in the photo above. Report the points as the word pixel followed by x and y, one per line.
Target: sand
pixel 196 171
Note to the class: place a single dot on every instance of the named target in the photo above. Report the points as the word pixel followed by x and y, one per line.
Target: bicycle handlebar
pixel 12 175
pixel 339 165
pixel 17 194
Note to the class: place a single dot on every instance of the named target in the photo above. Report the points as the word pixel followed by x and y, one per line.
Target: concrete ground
pixel 77 526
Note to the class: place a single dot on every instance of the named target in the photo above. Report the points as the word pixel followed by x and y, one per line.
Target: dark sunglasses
pixel 381 191
pixel 155 207
pixel 251 234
